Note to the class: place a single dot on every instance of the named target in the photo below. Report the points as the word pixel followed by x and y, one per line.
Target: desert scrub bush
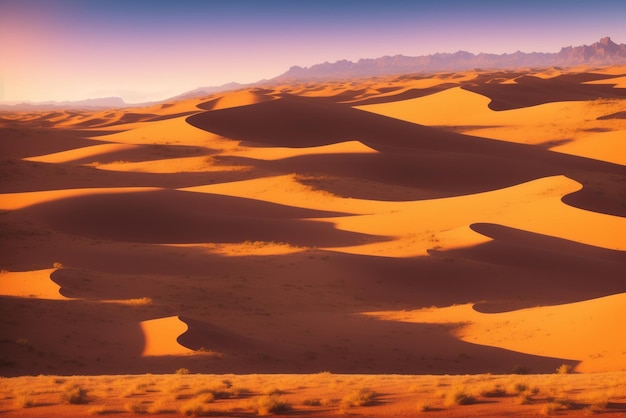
pixel 524 398
pixel 424 407
pixel 524 393
pixel 24 400
pixel 459 396
pixel 564 369
pixel 225 391
pixel 359 397
pixel 161 406
pixel 312 402
pixel 599 401
pixel 497 391
pixel 193 408
pixel 551 408
pixel 520 387
pixel 270 404
pixel 273 391
pixel 74 394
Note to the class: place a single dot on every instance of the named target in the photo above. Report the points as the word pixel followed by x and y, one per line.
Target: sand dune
pixel 547 331
pixel 445 223
pixel 549 124
pixel 161 337
pixel 30 284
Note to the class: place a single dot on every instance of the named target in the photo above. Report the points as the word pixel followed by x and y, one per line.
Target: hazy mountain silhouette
pixel 604 52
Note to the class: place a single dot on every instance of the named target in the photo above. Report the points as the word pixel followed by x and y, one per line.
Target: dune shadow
pixel 29 176
pixel 616 115
pixel 543 270
pixel 204 335
pixel 23 141
pixel 167 216
pixel 532 91
pixel 70 337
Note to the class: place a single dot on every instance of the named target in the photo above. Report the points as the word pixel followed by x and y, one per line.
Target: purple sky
pixel 151 50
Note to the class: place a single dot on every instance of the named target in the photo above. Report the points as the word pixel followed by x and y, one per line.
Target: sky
pixel 151 50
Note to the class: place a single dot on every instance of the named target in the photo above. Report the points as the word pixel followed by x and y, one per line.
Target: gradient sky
pixel 151 50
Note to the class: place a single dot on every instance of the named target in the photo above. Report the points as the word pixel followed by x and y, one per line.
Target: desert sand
pixel 447 224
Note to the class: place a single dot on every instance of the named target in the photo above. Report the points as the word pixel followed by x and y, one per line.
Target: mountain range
pixel 603 52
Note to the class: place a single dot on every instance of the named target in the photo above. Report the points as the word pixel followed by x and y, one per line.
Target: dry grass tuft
pixel 551 408
pixel 74 394
pixel 564 369
pixel 194 407
pixel 359 397
pixel 270 404
pixel 24 400
pixel 459 396
pixel 424 407
pixel 599 401
pixel 497 391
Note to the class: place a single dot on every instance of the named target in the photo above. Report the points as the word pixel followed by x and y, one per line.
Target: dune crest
pixel 161 336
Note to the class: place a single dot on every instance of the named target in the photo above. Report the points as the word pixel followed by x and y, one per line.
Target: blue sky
pixel 151 50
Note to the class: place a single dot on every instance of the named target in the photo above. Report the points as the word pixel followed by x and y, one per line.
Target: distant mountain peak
pixel 603 52
pixel 606 41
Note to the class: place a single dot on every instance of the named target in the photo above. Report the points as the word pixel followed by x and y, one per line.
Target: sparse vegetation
pixel 74 394
pixel 564 369
pixel 270 404
pixel 214 395
pixel 497 391
pixel 551 408
pixel 24 400
pixel 359 397
pixel 194 407
pixel 459 396
pixel 424 407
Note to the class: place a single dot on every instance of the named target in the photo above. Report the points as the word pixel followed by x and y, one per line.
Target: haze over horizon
pixel 146 51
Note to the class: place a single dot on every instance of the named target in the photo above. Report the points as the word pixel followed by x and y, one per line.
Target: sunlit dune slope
pixel 584 331
pixel 161 337
pixel 551 124
pixel 30 284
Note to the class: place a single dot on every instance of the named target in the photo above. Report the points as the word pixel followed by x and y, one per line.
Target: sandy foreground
pixel 451 224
